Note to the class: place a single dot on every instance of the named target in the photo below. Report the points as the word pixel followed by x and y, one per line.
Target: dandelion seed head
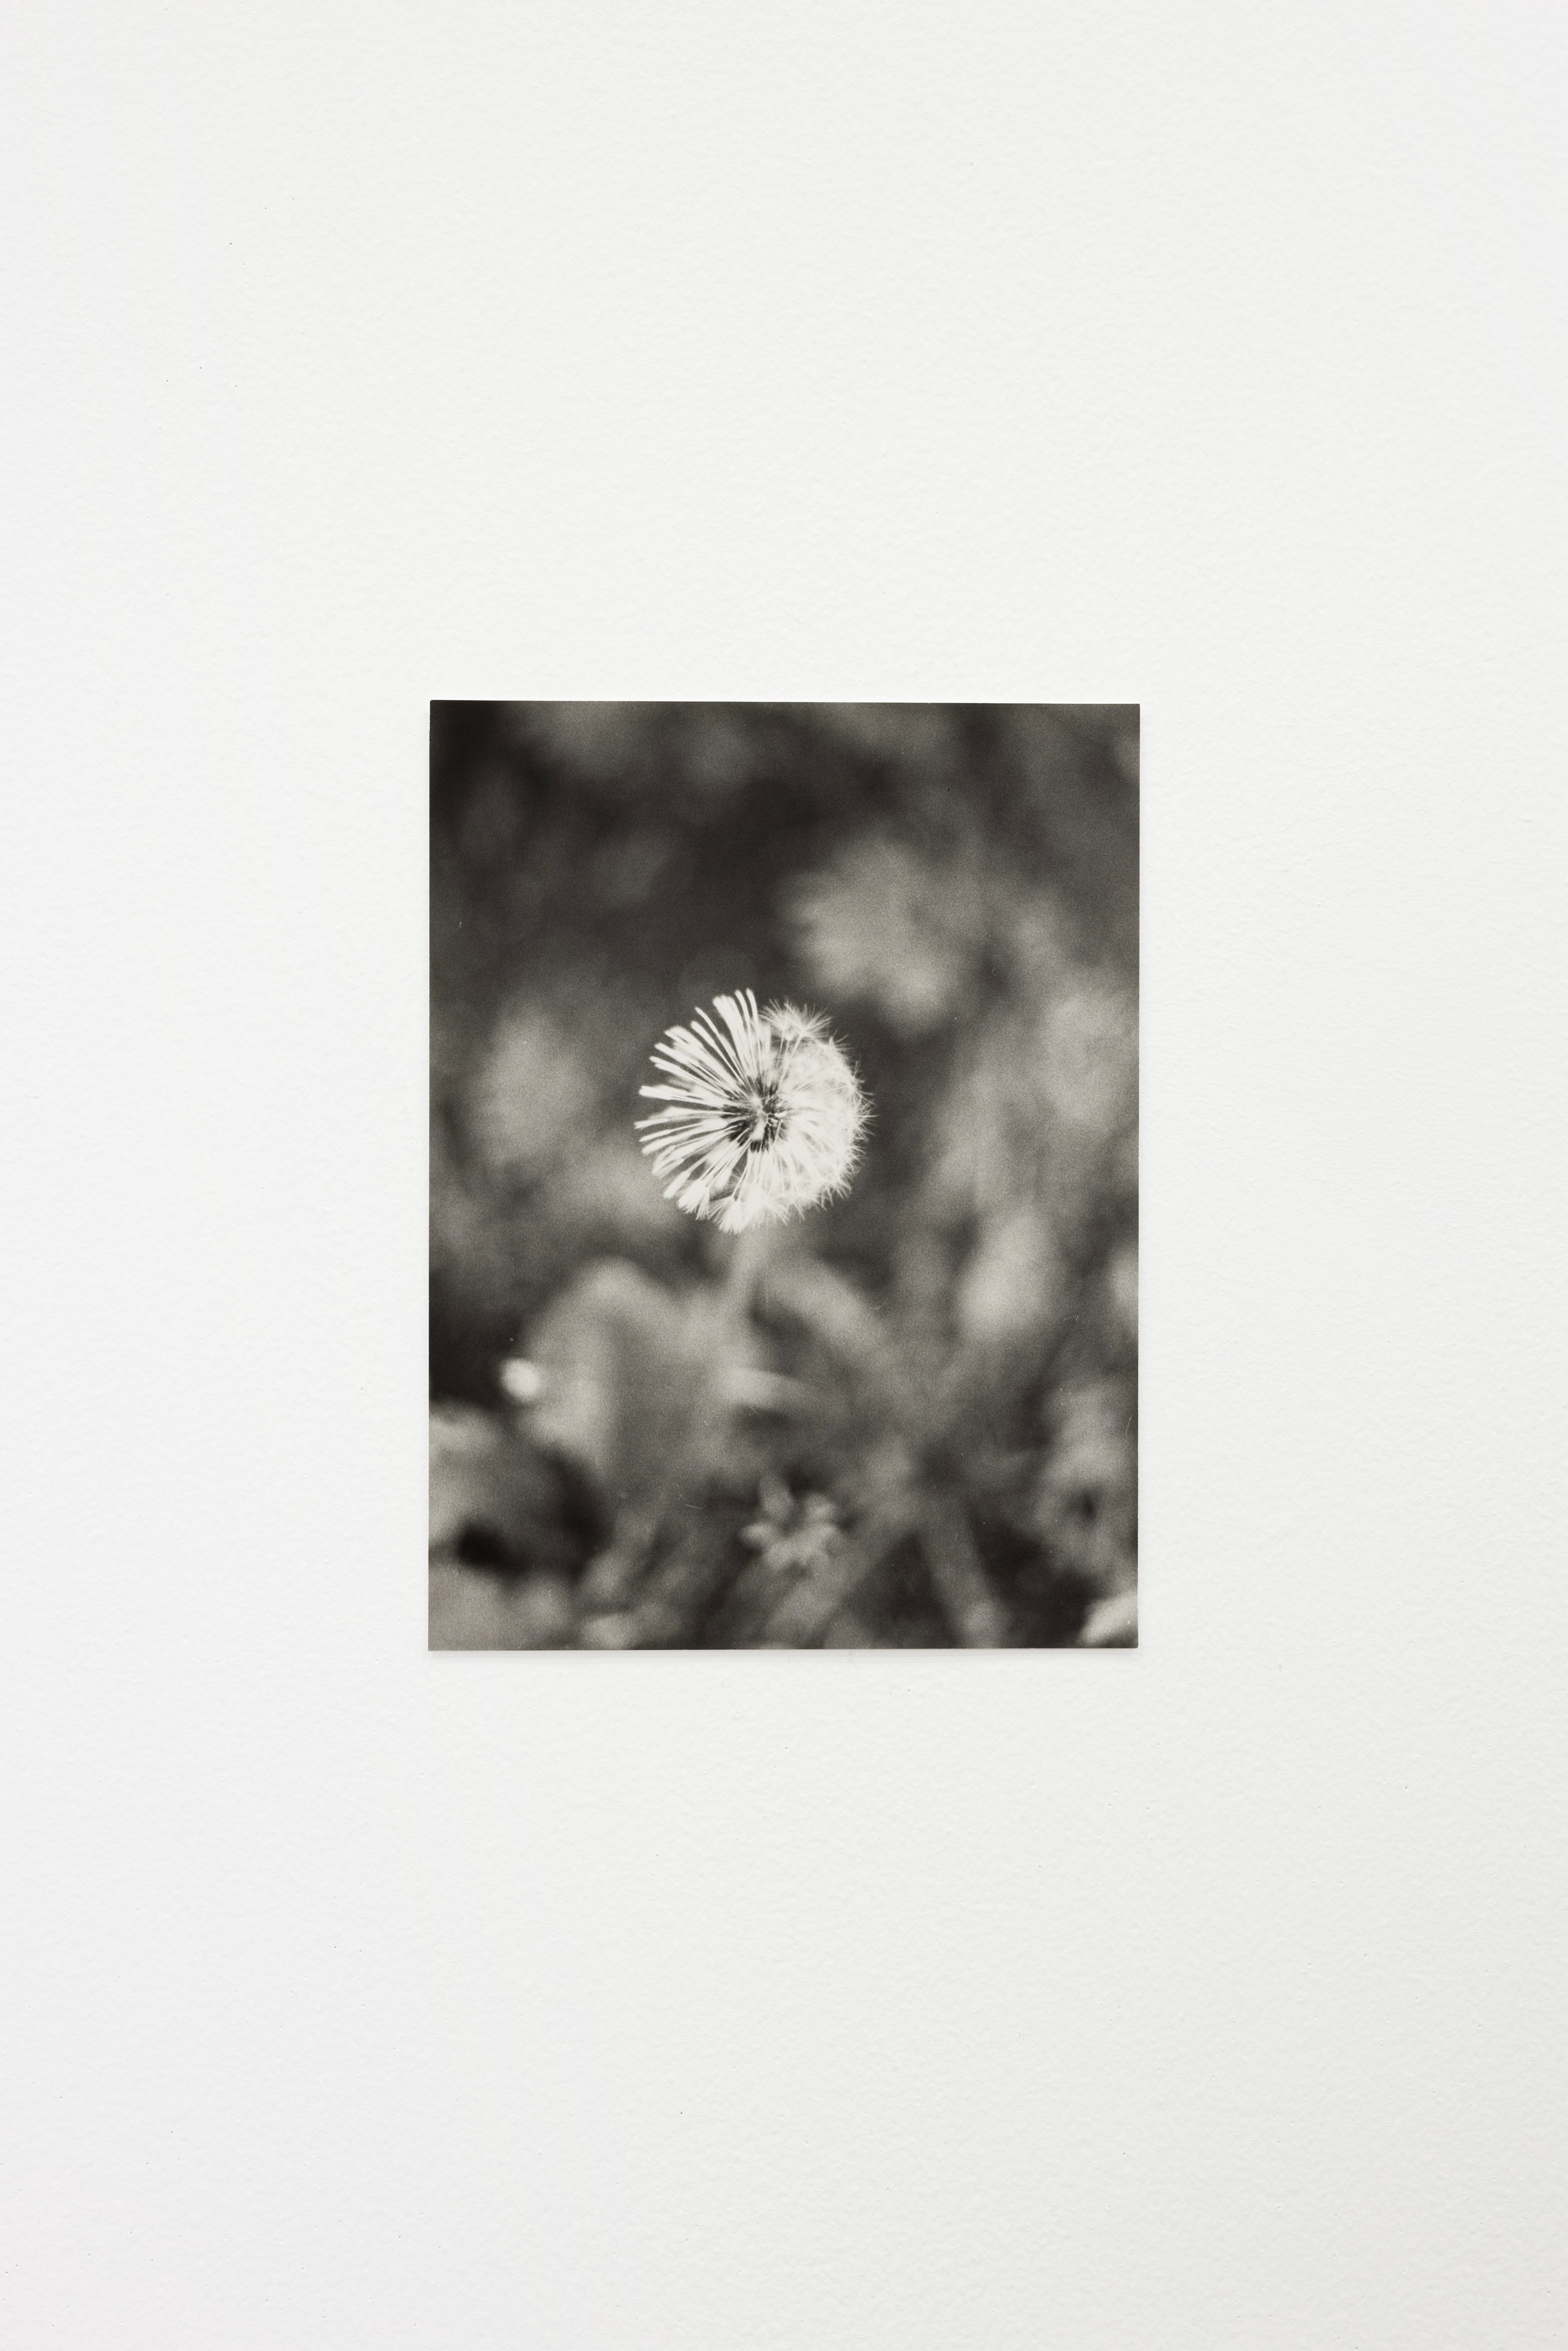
pixel 762 1115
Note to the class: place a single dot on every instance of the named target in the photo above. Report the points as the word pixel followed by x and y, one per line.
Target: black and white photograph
pixel 784 1175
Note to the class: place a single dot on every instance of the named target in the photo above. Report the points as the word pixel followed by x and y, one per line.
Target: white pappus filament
pixel 763 1115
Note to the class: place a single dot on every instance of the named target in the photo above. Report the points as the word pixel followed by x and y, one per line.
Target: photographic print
pixel 783 1176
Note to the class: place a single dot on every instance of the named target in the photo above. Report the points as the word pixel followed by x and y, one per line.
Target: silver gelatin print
pixel 783 1176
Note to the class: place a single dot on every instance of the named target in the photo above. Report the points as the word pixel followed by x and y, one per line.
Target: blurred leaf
pixel 1112 1623
pixel 492 1487
pixel 969 1604
pixel 472 1610
pixel 624 1369
pixel 1015 1284
pixel 1086 1502
pixel 610 741
pixel 885 923
pixel 532 1095
pixel 1089 1055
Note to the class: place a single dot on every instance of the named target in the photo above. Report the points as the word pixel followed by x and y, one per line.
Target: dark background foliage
pixel 923 1430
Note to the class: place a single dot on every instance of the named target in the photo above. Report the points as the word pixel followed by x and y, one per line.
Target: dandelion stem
pixel 743 1273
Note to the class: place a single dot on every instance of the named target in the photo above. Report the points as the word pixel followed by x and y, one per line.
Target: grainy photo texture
pixel 783 1176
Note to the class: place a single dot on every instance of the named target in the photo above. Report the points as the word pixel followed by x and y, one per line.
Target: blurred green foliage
pixel 917 1424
